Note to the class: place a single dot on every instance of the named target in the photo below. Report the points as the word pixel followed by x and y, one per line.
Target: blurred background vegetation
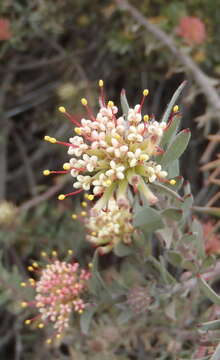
pixel 52 52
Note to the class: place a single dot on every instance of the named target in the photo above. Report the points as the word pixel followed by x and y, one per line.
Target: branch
pixel 28 169
pixel 45 196
pixel 202 80
pixel 5 87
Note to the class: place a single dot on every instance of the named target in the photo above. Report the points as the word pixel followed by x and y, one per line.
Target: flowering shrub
pixel 129 167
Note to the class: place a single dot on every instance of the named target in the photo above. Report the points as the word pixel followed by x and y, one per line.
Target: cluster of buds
pixel 111 154
pixel 59 293
pixel 8 212
pixel 109 227
pixel 138 299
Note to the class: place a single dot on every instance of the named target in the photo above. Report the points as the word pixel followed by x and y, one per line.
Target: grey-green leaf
pixel 174 257
pixel 148 219
pixel 172 213
pixel 172 102
pixel 176 148
pixel 171 130
pixel 161 188
pixel 173 169
pixel 122 250
pixel 86 319
pixel 159 266
pixel 124 103
pixel 125 316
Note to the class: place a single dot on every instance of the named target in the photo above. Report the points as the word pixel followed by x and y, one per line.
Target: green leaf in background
pixel 188 238
pixel 124 103
pixel 186 206
pixel 96 283
pixel 164 189
pixel 147 241
pixel 172 102
pixel 170 131
pixel 166 235
pixel 125 316
pixel 210 325
pixel 174 257
pixel 198 231
pixel 173 169
pixel 189 265
pixel 159 266
pixel 176 148
pixel 122 250
pixel 208 291
pixel 86 318
pixel 172 213
pixel 148 219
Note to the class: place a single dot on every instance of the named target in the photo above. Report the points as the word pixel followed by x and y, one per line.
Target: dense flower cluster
pixel 107 228
pixel 192 30
pixel 138 299
pixel 58 293
pixel 111 153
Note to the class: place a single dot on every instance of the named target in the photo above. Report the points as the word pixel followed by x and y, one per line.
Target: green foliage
pixel 176 148
pixel 148 219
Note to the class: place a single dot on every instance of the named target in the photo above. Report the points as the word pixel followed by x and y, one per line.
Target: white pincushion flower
pixel 111 153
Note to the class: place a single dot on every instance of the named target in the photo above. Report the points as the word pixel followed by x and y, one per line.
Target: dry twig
pixel 202 80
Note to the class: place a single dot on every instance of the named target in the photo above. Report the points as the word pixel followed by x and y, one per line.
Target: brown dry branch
pixel 5 128
pixel 45 196
pixel 203 81
pixel 27 166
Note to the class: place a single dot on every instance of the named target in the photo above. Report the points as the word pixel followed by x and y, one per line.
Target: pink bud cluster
pixel 138 299
pixel 59 292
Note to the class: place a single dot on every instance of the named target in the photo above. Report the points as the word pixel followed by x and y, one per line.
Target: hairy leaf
pixel 124 103
pixel 148 219
pixel 172 213
pixel 172 102
pixel 176 148
pixel 170 131
pixel 122 249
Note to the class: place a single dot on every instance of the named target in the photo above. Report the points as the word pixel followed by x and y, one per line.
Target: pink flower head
pixel 59 292
pixel 192 30
pixel 5 32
